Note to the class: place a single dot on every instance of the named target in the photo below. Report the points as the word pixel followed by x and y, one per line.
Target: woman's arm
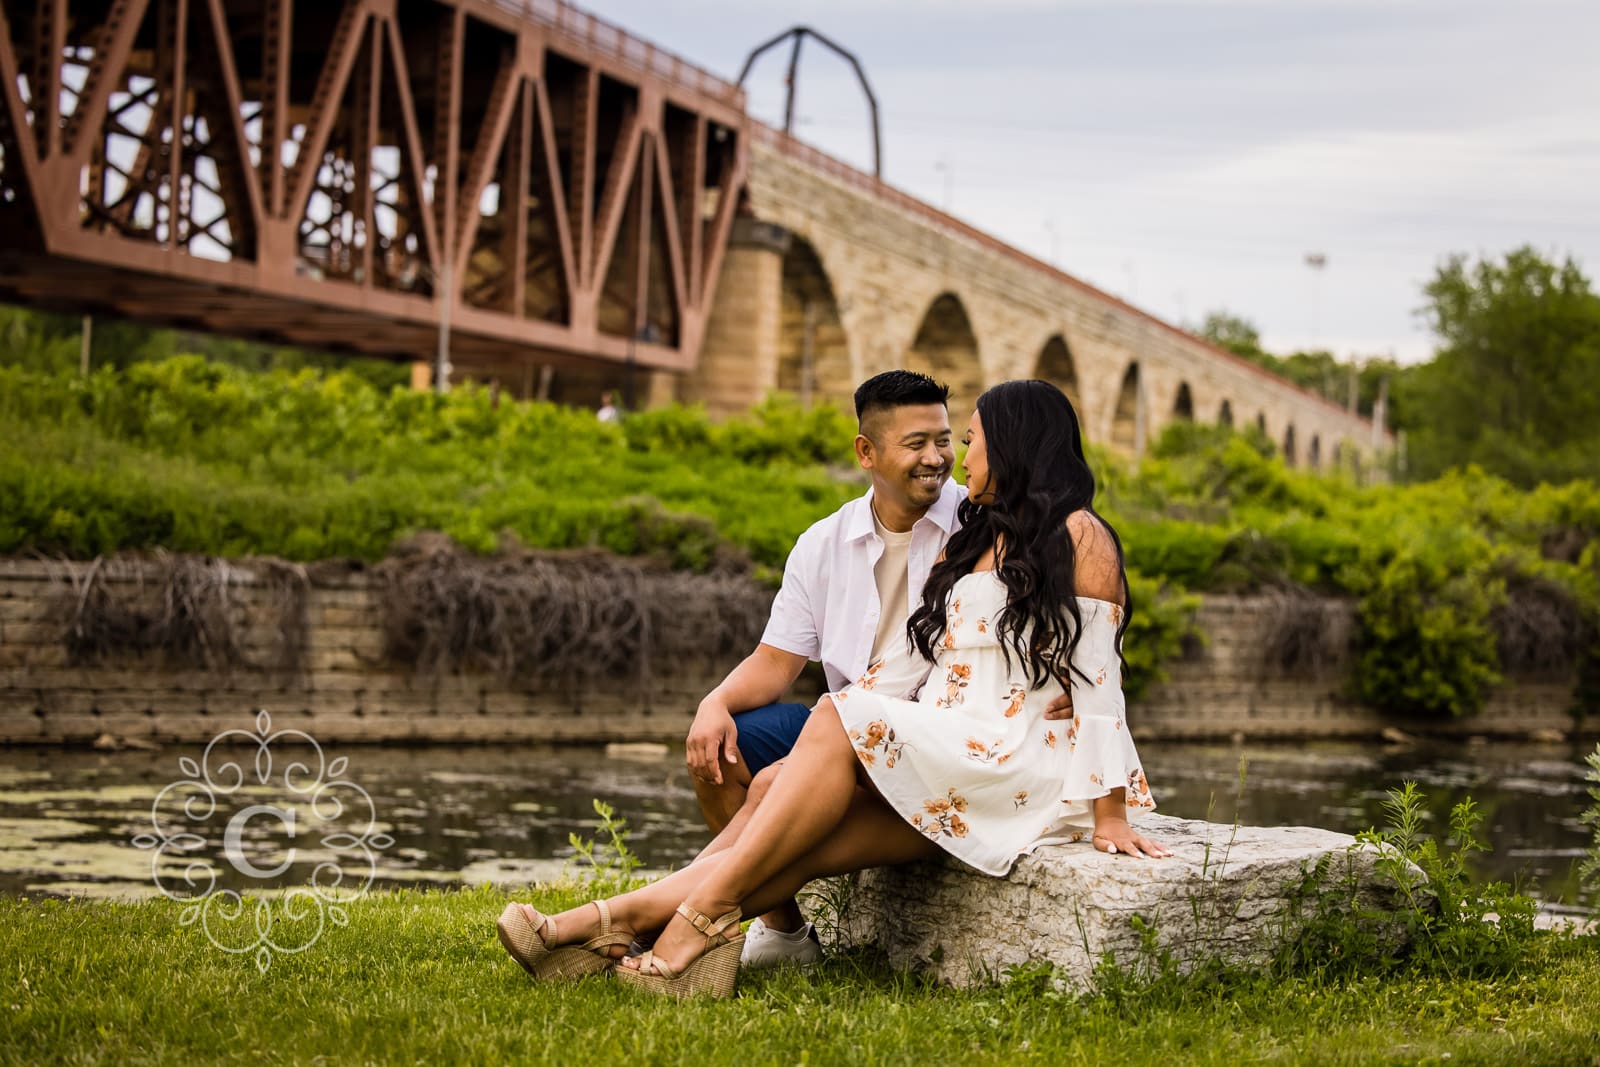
pixel 1099 576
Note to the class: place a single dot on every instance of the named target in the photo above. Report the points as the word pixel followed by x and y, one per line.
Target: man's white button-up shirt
pixel 828 606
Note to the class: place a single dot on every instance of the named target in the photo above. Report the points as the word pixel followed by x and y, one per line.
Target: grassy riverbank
pixel 419 977
pixel 1458 581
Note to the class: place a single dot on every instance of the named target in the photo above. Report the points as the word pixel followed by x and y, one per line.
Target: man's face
pixel 909 452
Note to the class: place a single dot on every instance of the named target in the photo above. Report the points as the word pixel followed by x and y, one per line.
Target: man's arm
pixel 761 678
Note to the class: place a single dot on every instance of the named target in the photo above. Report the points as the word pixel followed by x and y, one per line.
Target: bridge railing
pixel 613 41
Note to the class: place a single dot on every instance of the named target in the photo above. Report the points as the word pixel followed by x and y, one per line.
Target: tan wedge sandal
pixel 520 935
pixel 713 973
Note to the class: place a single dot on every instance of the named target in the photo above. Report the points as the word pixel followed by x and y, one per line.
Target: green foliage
pixel 1161 622
pixel 609 862
pixel 1456 928
pixel 198 456
pixel 1515 385
pixel 1443 923
pixel 1429 565
pixel 49 342
pixel 1589 870
pixel 1424 645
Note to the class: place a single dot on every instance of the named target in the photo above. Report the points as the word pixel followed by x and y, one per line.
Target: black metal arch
pixel 800 33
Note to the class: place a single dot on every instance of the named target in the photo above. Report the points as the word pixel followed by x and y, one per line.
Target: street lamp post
pixel 441 359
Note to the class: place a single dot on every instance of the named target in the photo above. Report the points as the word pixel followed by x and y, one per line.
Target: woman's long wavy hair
pixel 1038 476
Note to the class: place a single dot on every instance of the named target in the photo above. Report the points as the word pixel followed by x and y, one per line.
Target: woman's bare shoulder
pixel 1098 571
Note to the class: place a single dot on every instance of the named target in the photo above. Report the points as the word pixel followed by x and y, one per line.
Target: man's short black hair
pixel 898 388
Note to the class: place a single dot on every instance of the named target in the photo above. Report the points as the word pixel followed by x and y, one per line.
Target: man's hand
pixel 711 738
pixel 1061 706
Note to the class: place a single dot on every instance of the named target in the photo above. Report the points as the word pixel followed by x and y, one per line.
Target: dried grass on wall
pixel 189 611
pixel 1540 628
pixel 1306 633
pixel 566 617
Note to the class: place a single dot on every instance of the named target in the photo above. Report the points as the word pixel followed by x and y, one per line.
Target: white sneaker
pixel 765 947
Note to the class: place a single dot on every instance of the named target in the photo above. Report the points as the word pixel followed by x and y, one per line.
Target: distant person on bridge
pixel 607 412
pixel 1024 604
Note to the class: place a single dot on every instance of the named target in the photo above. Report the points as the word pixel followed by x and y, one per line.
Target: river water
pixel 71 820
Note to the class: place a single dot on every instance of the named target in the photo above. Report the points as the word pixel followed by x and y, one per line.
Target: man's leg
pixel 766 735
pixel 719 803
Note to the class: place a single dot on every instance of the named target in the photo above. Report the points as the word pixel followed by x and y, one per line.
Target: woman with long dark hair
pixel 1031 596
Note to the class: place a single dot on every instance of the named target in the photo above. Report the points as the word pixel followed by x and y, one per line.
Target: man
pixel 850 583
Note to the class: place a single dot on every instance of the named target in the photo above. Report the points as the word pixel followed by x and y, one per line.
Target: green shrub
pixel 1424 646
pixel 1456 927
pixel 1161 624
pixel 1589 869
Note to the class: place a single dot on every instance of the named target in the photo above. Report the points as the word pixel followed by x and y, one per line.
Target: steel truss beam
pixel 306 170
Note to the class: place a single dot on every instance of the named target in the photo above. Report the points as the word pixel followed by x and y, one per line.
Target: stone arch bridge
pixel 832 276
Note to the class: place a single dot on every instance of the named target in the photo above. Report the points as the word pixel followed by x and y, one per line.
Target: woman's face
pixel 976 463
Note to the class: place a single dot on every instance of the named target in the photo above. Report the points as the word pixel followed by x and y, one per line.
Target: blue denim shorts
pixel 766 734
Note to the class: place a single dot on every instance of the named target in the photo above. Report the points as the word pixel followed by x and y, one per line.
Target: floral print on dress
pixel 1019 799
pixel 952 621
pixel 956 679
pixel 941 816
pixel 987 753
pixel 1139 790
pixel 1014 700
pixel 878 735
pixel 870 679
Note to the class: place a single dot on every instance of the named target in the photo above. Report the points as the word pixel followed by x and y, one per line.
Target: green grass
pixel 419 977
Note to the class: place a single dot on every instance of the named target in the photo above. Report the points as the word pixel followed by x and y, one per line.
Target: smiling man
pixel 850 583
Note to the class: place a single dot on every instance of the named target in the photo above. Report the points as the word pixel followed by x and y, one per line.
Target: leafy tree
pixel 1515 385
pixel 1235 333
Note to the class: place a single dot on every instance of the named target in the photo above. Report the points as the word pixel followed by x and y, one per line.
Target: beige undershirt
pixel 889 574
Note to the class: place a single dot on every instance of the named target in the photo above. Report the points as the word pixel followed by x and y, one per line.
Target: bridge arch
pixel 813 347
pixel 1288 446
pixel 1055 365
pixel 1183 405
pixel 946 347
pixel 1314 453
pixel 1261 421
pixel 1225 414
pixel 1128 418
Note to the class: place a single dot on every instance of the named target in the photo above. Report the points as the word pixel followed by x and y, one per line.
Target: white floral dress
pixel 971 761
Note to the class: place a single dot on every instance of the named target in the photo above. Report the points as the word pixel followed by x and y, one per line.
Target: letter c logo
pixel 232 845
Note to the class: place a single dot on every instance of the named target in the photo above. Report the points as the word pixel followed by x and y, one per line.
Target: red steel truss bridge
pixel 345 174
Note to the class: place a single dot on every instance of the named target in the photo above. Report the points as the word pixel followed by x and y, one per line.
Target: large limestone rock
pixel 1225 893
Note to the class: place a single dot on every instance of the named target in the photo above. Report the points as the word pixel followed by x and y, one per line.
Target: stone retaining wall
pixel 342 689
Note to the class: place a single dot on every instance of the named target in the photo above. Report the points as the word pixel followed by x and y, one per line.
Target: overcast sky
pixel 1187 155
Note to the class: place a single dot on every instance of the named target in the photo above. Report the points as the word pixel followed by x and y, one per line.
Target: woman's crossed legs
pixel 814 821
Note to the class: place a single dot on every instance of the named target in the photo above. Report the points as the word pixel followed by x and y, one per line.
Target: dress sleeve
pixel 1100 752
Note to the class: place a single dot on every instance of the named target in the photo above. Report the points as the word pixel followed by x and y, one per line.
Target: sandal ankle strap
pixel 698 920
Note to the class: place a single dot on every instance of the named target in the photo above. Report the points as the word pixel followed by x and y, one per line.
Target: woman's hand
pixel 1113 834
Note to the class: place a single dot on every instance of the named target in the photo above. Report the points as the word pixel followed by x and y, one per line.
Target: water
pixel 68 818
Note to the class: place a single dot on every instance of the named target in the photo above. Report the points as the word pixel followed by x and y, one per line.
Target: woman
pixel 1031 591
